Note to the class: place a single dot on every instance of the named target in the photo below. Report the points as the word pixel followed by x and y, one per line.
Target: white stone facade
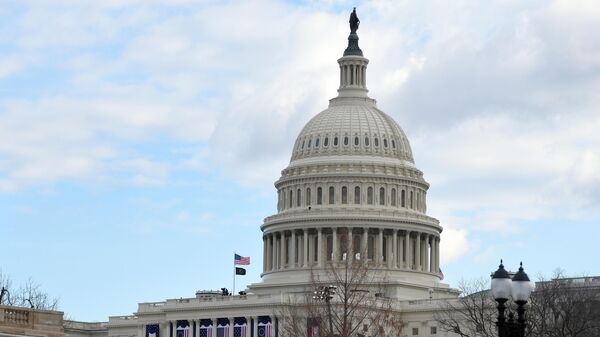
pixel 351 191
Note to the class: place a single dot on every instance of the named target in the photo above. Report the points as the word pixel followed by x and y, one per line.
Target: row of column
pixel 165 328
pixel 396 249
pixel 353 75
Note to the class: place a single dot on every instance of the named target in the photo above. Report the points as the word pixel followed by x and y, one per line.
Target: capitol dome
pixel 352 191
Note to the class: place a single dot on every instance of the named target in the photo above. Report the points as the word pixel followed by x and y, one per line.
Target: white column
pixel 248 327
pixel 165 329
pixel 269 252
pixel 418 252
pixel 400 251
pixel 379 249
pixel 283 250
pixel 437 253
pixel 275 252
pixel 265 242
pixel 305 250
pixel 254 328
pixel 427 254
pixel 389 250
pixel 140 330
pixel 320 247
pixel 407 250
pixel 364 253
pixel 395 249
pixel 293 250
pixel 335 257
pixel 214 326
pixel 350 243
pixel 231 324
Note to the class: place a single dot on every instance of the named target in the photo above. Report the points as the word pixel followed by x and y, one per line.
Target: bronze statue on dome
pixel 354 22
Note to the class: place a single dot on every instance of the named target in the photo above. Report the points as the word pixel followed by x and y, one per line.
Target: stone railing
pixel 16 316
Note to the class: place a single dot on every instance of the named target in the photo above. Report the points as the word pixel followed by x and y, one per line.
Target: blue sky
pixel 139 140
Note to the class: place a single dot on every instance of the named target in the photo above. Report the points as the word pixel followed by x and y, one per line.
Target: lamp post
pixel 519 288
pixel 325 293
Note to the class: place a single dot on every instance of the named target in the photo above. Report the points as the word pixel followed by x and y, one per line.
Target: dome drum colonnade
pixel 351 171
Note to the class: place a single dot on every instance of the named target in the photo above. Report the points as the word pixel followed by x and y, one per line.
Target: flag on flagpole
pixel 240 271
pixel 441 274
pixel 241 260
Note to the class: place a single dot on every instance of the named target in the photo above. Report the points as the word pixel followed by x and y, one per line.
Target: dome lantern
pixel 353 65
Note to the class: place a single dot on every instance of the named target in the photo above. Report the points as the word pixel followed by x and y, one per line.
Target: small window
pixel 433 330
pixel 298 197
pixel 291 195
pixel 317 142
pixel 376 141
pixel 344 195
pixel 403 198
pixel 357 195
pixel 382 196
pixel 415 331
pixel 319 196
pixel 370 195
pixel 331 194
pixel 346 141
pixel 384 142
pixel 393 197
pixel 335 141
pixel 304 141
pixel 326 141
pixel 356 141
pixel 393 144
pixel 411 199
pixel 309 141
pixel 308 197
pixel 366 141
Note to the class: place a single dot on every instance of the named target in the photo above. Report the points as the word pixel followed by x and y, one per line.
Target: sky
pixel 140 139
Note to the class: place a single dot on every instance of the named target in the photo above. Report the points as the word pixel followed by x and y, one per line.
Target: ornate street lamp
pixel 325 293
pixel 519 288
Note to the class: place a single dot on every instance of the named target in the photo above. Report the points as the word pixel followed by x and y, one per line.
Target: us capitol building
pixel 351 188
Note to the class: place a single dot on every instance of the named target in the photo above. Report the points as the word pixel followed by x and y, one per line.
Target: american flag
pixel 241 260
pixel 264 330
pixel 183 331
pixel 152 330
pixel 239 330
pixel 441 275
pixel 206 331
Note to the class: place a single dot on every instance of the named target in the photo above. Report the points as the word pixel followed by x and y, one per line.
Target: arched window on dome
pixel 319 196
pixel 366 141
pixel 344 195
pixel 393 197
pixel 346 141
pixel 326 142
pixel 291 196
pixel 331 195
pixel 393 144
pixel 298 197
pixel 308 197
pixel 411 199
pixel 403 198
pixel 317 142
pixel 357 195
pixel 304 141
pixel 309 141
pixel 356 141
pixel 385 142
pixel 382 196
pixel 335 141
pixel 376 141
pixel 370 195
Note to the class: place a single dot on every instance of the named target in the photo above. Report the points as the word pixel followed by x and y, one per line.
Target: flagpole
pixel 233 292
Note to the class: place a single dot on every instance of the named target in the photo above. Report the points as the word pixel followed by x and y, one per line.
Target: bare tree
pixel 28 295
pixel 565 307
pixel 472 314
pixel 348 299
pixel 560 307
